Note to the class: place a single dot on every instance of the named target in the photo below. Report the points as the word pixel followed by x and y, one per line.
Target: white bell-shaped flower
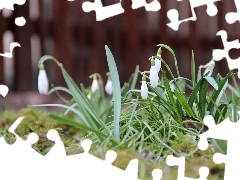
pixel 153 76
pixel 109 87
pixel 43 85
pixel 172 86
pixel 144 90
pixel 158 63
pixel 209 67
pixel 94 86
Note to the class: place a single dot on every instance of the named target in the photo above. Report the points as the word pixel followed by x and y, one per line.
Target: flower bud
pixel 153 76
pixel 43 85
pixel 144 90
pixel 209 67
pixel 94 87
pixel 158 63
pixel 109 87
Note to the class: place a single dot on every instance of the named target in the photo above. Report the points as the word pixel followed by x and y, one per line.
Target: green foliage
pixel 156 123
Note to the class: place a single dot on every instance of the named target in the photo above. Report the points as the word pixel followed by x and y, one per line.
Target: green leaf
pixel 216 93
pixel 221 113
pixel 212 81
pixel 83 104
pixel 193 70
pixel 170 95
pixel 76 124
pixel 116 92
pixel 194 94
pixel 203 96
pixel 182 100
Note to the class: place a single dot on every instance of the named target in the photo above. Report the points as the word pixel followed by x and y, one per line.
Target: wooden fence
pixel 61 28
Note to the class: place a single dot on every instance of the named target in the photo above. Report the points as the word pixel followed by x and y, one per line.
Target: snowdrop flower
pixel 43 85
pixel 209 67
pixel 144 88
pixel 172 86
pixel 109 87
pixel 89 96
pixel 94 86
pixel 153 75
pixel 158 63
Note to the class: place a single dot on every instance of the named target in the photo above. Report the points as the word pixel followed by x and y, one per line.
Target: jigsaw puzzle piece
pixel 180 162
pixel 232 17
pixel 103 12
pixel 153 6
pixel 9 4
pixel 173 14
pixel 12 46
pixel 219 54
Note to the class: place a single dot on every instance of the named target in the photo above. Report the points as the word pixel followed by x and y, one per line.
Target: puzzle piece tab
pixel 219 54
pixel 153 6
pixel 180 162
pixel 12 46
pixel 173 14
pixel 232 17
pixel 231 159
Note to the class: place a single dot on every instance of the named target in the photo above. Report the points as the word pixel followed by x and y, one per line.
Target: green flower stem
pixel 45 58
pixel 172 52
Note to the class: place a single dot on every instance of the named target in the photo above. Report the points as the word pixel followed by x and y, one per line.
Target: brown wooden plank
pixel 2 29
pixel 23 65
pixel 131 38
pixel 62 39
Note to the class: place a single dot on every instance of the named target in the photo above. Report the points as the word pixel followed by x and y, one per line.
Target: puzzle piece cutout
pixel 173 14
pixel 219 54
pixel 180 162
pixel 232 17
pixel 12 46
pixel 9 4
pixel 231 159
pixel 103 13
pixel 153 6
pixel 3 90
pixel 19 21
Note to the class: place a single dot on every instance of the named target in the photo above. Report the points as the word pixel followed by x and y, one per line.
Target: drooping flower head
pixel 109 85
pixel 43 84
pixel 153 74
pixel 94 86
pixel 144 88
pixel 209 67
pixel 158 63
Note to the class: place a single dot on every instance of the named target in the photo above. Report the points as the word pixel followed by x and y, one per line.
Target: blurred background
pixel 61 28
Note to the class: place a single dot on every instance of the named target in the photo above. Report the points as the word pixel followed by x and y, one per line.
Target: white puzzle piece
pixel 173 14
pixel 219 54
pixel 232 17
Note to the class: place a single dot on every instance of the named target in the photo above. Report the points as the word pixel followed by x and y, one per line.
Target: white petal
pixel 144 90
pixel 158 64
pixel 209 68
pixel 109 87
pixel 94 87
pixel 172 86
pixel 153 76
pixel 89 96
pixel 43 85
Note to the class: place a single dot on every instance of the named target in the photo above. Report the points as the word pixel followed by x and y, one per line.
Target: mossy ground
pixel 37 121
